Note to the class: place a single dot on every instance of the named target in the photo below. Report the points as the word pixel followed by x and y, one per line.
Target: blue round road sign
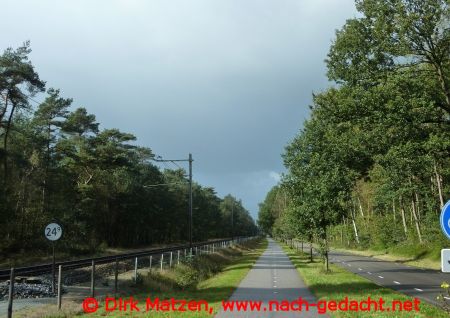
pixel 445 219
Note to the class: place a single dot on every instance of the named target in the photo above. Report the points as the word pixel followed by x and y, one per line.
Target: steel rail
pixel 73 264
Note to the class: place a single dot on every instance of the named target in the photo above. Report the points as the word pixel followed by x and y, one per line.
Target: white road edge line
pixel 418 289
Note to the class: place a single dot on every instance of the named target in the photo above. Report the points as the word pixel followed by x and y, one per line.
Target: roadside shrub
pixel 186 276
pixel 193 270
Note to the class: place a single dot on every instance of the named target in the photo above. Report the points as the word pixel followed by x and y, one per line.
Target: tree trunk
pixel 444 85
pixel 5 142
pixel 416 220
pixel 354 226
pixel 346 232
pixel 393 208
pixel 439 186
pixel 402 209
pixel 44 207
pixel 327 265
pixel 3 112
pixel 360 207
pixel 418 206
pixel 310 252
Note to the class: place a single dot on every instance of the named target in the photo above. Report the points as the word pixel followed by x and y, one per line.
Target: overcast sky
pixel 228 80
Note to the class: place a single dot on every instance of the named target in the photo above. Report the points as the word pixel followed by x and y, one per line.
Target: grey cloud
pixel 228 80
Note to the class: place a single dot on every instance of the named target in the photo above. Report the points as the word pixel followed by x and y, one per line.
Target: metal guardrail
pixel 200 248
pixel 45 268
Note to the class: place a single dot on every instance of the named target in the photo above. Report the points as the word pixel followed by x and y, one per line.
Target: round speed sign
pixel 53 231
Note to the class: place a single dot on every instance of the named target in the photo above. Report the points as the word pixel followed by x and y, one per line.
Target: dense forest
pixel 370 168
pixel 56 163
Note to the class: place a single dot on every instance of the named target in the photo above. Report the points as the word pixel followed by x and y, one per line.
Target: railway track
pixel 47 268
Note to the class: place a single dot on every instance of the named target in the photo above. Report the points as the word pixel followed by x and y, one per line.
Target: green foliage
pixel 188 274
pixel 58 164
pixel 370 168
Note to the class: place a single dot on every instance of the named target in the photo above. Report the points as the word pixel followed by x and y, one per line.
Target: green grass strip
pixel 215 289
pixel 339 283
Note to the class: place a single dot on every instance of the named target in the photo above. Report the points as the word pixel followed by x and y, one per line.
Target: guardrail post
pixel 170 261
pixel 150 262
pixel 135 269
pixel 93 279
pixel 59 286
pixel 178 257
pixel 11 292
pixel 214 245
pixel 162 260
pixel 116 276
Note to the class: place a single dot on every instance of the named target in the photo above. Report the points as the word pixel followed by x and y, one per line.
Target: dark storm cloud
pixel 228 80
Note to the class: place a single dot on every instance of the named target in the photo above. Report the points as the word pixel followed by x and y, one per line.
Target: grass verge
pixel 212 278
pixel 339 283
pixel 420 256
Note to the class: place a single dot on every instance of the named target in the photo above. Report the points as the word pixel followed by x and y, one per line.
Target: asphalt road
pixel 412 281
pixel 273 277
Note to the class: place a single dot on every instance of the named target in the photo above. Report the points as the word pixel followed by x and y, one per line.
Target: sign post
pixel 445 225
pixel 53 232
